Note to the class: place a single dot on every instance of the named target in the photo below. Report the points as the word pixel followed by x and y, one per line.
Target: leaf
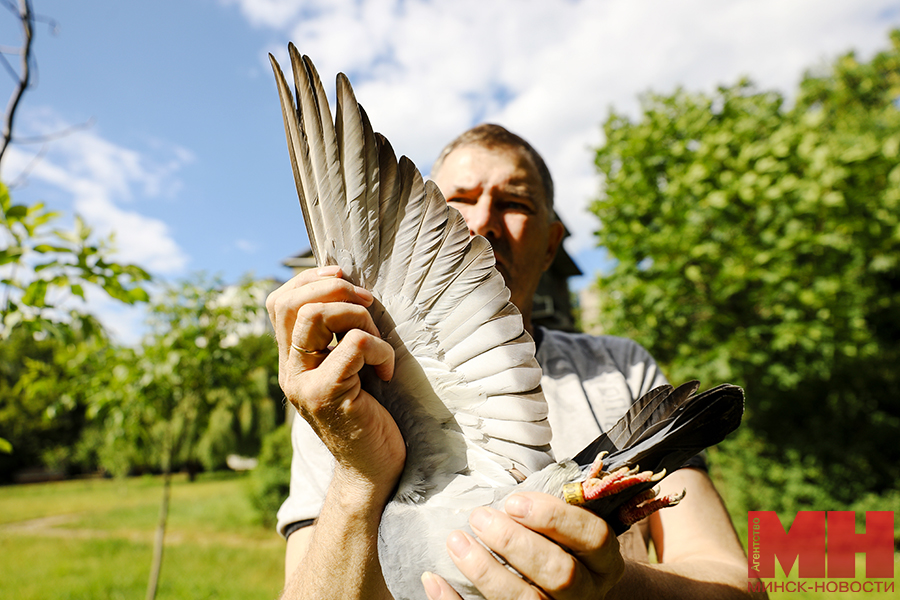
pixel 47 265
pixel 138 295
pixel 35 294
pixel 10 254
pixel 44 248
pixel 17 211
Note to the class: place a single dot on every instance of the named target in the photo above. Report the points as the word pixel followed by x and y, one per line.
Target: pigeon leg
pixel 645 504
pixel 597 466
pixel 604 484
pixel 617 481
pixel 600 484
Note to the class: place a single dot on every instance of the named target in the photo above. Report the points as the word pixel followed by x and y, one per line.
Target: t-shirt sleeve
pixel 639 367
pixel 312 468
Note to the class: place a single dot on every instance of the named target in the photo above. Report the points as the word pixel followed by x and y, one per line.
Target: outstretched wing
pixel 466 390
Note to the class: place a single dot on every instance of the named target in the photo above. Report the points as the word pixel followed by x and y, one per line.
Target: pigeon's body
pixel 466 386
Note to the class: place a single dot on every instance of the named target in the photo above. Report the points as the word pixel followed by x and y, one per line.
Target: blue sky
pixel 185 160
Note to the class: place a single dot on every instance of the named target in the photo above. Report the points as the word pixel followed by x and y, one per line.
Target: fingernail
pixel 431 585
pixel 480 519
pixel 329 271
pixel 363 293
pixel 518 506
pixel 458 544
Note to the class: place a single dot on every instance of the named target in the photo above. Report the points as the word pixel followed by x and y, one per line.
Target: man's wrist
pixel 358 496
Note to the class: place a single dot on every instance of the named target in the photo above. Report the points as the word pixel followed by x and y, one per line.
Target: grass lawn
pixel 93 540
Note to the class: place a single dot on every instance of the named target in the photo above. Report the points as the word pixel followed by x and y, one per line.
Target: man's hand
pixel 563 552
pixel 323 383
pixel 699 553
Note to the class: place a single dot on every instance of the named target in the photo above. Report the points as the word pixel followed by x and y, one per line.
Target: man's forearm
pixel 699 552
pixel 694 580
pixel 341 558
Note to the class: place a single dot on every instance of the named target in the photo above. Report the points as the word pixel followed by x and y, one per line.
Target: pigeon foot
pixel 645 504
pixel 600 484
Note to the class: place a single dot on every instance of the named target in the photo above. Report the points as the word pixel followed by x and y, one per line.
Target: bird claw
pixel 644 505
pixel 620 479
pixel 600 484
pixel 597 466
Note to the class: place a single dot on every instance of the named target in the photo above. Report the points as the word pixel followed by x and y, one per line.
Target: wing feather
pixel 460 345
pixel 307 189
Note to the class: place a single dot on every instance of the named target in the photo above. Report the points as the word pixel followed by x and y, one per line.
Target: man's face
pixel 500 195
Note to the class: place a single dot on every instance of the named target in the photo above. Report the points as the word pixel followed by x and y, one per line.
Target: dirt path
pixel 56 526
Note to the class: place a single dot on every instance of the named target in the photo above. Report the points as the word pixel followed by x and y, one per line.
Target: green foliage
pixel 45 383
pixel 270 481
pixel 200 387
pixel 760 244
pixel 43 267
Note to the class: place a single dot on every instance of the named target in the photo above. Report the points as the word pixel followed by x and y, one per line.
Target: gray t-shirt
pixel 589 382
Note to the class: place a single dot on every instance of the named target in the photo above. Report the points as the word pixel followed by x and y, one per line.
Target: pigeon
pixel 466 392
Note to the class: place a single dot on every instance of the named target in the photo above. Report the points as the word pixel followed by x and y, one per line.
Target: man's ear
pixel 554 239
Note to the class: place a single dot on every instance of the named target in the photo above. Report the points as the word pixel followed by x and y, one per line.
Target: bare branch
pixel 20 180
pixel 52 24
pixel 43 140
pixel 49 137
pixel 9 68
pixel 27 19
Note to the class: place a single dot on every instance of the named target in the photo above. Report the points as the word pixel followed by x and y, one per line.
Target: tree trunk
pixel 160 533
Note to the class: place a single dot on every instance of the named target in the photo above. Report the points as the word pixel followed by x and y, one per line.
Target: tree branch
pixel 27 18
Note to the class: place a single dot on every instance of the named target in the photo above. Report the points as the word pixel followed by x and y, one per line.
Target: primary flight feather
pixel 466 387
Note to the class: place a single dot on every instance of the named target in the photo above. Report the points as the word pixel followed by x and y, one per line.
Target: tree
pixel 760 243
pixel 44 391
pixel 42 269
pixel 37 261
pixel 202 385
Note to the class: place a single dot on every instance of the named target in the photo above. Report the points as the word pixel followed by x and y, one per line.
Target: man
pixel 504 191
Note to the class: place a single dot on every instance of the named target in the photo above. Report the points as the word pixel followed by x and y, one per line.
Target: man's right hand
pixel 324 384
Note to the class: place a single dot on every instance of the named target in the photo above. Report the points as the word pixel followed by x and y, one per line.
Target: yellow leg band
pixel 573 493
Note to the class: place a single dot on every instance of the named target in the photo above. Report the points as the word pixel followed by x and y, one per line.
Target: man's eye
pixel 518 206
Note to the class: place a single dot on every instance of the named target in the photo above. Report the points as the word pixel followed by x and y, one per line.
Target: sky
pixel 176 142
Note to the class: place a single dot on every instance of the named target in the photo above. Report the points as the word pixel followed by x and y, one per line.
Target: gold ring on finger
pixel 309 352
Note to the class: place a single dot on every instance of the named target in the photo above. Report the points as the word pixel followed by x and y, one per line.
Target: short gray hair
pixel 489 135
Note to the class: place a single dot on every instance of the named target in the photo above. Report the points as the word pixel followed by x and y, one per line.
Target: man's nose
pixel 482 219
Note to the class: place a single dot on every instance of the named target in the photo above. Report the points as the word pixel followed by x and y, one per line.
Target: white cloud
pixel 104 182
pixel 245 246
pixel 551 69
pixel 269 13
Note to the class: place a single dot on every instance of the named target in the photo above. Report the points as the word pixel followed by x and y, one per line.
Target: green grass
pixel 99 544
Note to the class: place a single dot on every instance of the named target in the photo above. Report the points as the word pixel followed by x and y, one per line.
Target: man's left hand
pixel 562 551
